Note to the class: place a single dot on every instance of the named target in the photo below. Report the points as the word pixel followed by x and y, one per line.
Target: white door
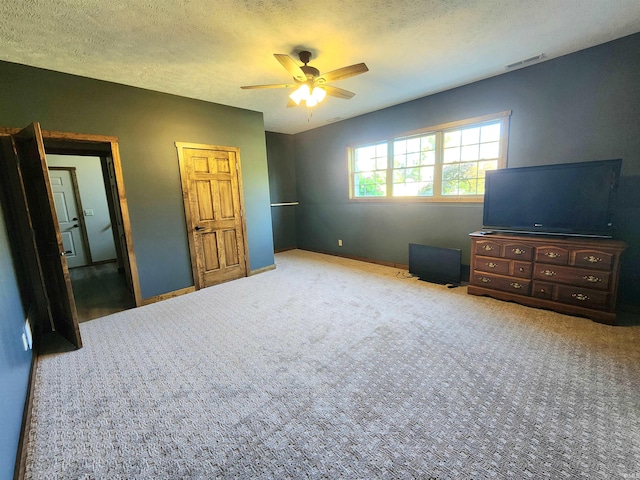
pixel 69 216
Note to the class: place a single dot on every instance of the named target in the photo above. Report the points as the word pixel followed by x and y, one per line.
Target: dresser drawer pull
pixel 592 279
pixel 580 296
pixel 492 265
pixel 485 279
pixel 552 254
pixel 516 285
pixel 519 251
pixel 488 248
pixel 592 259
pixel 521 270
pixel 549 273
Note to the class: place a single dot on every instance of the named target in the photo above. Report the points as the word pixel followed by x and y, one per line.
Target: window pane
pixel 468 187
pixel 368 184
pixel 399 147
pixel 370 157
pixel 490 133
pixel 426 189
pixel 470 136
pixel 450 187
pixel 413 159
pixel 451 155
pixel 486 165
pixel 428 158
pixel 399 175
pixel 399 161
pixel 413 145
pixel 481 186
pixel 450 172
pixel 452 139
pixel 365 158
pixel 426 173
pixel 490 150
pixel 469 153
pixel 468 170
pixel 429 142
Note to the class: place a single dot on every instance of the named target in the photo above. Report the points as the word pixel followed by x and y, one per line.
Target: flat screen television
pixel 561 199
pixel 435 264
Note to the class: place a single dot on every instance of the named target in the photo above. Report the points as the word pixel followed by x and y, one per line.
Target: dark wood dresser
pixel 571 275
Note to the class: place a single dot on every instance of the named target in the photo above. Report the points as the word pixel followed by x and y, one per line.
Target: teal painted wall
pixel 147 124
pixel 580 107
pixel 15 361
pixel 282 185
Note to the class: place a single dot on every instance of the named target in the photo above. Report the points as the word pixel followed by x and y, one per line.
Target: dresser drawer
pixel 488 248
pixel 542 290
pixel 492 265
pixel 554 255
pixel 522 269
pixel 506 284
pixel 582 297
pixel 518 251
pixel 593 259
pixel 573 276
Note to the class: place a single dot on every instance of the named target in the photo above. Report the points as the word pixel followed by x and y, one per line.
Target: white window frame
pixel 439 131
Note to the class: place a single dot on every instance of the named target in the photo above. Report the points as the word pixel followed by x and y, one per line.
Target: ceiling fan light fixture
pixel 310 97
pixel 318 94
pixel 301 93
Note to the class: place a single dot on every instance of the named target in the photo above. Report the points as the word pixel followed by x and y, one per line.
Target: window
pixel 442 163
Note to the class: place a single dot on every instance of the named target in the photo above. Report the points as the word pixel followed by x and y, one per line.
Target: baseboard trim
pixel 286 249
pixel 262 270
pixel 401 266
pixel 25 429
pixel 464 268
pixel 167 296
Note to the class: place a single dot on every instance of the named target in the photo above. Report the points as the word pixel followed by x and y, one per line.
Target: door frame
pixel 81 221
pixel 68 143
pixel 190 225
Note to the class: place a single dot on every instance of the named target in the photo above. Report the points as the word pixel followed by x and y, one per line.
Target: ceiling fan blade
pixel 291 66
pixel 338 92
pixel 342 73
pixel 278 85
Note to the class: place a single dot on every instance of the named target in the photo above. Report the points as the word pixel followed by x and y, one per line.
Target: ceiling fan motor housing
pixel 310 72
pixel 304 56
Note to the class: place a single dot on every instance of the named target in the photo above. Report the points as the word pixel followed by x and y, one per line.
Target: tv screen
pixel 435 264
pixel 562 199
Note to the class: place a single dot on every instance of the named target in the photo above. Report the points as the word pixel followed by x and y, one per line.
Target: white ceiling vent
pixel 525 61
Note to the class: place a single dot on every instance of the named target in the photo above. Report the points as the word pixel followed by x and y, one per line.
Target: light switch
pixel 88 212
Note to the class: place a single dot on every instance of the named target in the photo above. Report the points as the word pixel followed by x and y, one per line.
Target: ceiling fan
pixel 311 86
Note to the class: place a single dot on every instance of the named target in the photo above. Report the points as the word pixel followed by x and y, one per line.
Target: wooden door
pixel 32 164
pixel 66 199
pixel 212 192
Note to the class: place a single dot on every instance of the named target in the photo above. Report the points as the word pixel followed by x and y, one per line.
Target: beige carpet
pixel 332 368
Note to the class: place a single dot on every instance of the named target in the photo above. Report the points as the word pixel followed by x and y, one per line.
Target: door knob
pixel 198 228
pixel 75 226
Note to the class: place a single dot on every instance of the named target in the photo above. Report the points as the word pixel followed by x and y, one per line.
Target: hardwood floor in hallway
pixel 99 290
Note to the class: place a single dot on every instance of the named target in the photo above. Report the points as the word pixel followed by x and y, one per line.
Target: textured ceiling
pixel 207 49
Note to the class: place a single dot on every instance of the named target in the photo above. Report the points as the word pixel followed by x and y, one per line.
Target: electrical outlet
pixel 340 243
